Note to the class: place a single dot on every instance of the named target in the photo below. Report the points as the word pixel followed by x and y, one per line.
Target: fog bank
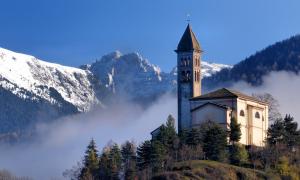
pixel 61 145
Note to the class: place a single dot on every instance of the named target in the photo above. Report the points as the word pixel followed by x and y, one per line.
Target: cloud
pixel 61 145
pixel 283 86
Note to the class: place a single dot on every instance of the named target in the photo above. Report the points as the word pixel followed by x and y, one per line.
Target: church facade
pixel 220 105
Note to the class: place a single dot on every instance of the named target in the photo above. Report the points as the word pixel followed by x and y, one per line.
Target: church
pixel 195 108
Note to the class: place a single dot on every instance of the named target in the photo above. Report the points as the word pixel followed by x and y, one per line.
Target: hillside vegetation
pixel 199 153
pixel 204 169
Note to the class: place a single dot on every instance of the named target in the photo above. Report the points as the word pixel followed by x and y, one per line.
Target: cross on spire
pixel 188 17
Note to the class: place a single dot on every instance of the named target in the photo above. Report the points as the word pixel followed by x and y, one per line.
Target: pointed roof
pixel 226 93
pixel 188 41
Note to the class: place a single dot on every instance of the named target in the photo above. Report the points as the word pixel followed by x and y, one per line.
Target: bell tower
pixel 188 75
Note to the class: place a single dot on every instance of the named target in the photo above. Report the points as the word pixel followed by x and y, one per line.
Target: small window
pixel 257 115
pixel 242 113
pixel 188 75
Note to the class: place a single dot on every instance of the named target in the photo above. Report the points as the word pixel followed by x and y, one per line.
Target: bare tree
pixel 274 113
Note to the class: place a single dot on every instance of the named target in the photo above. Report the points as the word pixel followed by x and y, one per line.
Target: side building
pixel 223 104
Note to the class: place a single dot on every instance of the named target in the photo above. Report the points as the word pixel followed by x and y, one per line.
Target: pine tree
pixel 235 131
pixel 214 141
pixel 193 137
pixel 167 133
pixel 183 136
pixel 115 160
pixel 104 165
pixel 144 155
pixel 292 134
pixel 158 156
pixel 90 162
pixel 238 154
pixel 276 132
pixel 129 160
pixel 284 132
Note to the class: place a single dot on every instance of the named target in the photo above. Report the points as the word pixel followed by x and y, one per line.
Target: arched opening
pixel 257 115
pixel 242 113
pixel 188 75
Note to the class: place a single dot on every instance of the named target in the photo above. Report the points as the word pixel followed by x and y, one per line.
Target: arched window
pixel 183 76
pixel 242 113
pixel 257 115
pixel 188 75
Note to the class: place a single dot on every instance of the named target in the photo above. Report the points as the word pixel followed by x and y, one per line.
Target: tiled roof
pixel 188 41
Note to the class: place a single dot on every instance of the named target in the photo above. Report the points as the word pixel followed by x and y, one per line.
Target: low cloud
pixel 61 145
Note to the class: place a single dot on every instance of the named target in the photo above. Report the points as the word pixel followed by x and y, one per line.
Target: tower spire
pixel 188 41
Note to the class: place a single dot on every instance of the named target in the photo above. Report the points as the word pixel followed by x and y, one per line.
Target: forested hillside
pixel 282 56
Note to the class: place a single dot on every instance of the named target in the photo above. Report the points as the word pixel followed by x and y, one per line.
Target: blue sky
pixel 75 32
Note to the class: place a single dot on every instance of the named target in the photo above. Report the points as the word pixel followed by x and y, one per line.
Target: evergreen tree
pixel 183 136
pixel 238 154
pixel 115 160
pixel 276 132
pixel 90 162
pixel 104 165
pixel 235 131
pixel 214 141
pixel 292 134
pixel 167 133
pixel 158 156
pixel 129 160
pixel 284 132
pixel 144 155
pixel 193 137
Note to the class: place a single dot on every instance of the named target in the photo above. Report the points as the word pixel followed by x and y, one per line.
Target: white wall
pixel 253 129
pixel 209 112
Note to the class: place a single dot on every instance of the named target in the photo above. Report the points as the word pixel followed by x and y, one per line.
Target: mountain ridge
pixel 33 90
pixel 280 56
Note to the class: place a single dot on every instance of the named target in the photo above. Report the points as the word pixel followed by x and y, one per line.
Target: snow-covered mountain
pixel 132 76
pixel 20 72
pixel 33 90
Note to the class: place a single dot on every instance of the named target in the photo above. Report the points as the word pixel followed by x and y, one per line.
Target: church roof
pixel 226 93
pixel 188 41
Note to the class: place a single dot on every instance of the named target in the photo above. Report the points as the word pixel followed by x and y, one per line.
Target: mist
pixel 283 86
pixel 60 145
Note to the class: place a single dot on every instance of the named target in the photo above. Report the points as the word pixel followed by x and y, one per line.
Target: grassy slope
pixel 212 170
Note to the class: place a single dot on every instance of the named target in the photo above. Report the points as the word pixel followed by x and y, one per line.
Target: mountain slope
pixel 282 56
